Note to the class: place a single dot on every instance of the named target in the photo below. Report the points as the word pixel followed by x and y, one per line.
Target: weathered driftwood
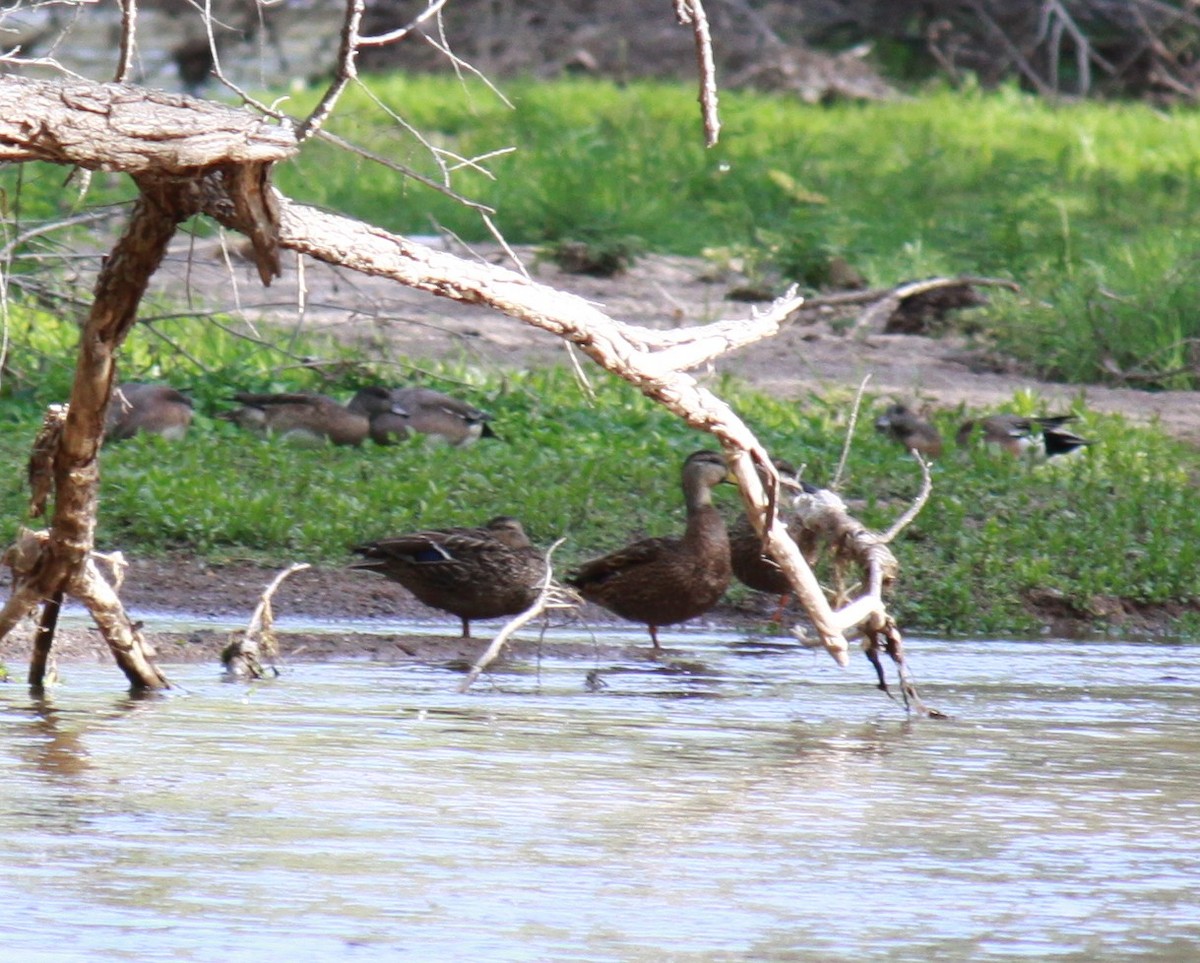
pixel 244 656
pixel 185 156
pixel 219 165
pixel 827 525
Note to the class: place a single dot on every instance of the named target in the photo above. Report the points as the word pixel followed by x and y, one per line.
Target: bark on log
pixel 118 127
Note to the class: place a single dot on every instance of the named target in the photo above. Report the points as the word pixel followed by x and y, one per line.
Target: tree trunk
pixel 186 156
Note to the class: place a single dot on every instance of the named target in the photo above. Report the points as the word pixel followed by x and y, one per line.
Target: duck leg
pixel 777 618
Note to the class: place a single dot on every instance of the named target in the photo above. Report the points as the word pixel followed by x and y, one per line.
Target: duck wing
pixel 623 561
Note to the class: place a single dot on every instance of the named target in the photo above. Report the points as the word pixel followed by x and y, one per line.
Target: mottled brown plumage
pixel 759 571
pixel 752 566
pixel 397 412
pixel 474 573
pixel 301 417
pixel 148 408
pixel 662 581
pixel 912 431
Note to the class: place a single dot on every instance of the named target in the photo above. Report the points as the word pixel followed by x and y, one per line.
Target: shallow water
pixel 739 801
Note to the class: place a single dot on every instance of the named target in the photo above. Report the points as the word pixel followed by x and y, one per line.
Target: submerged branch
pixel 244 656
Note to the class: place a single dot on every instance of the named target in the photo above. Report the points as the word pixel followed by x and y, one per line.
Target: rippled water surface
pixel 733 802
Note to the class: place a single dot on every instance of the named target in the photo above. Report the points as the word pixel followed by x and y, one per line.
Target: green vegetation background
pixel 1089 207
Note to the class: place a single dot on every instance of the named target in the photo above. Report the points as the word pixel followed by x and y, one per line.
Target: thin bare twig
pixel 443 47
pixel 914 510
pixel 841 465
pixel 692 12
pixel 1010 48
pixel 406 171
pixel 24 237
pixel 346 71
pixel 473 163
pixel 128 44
pixel 392 36
pixel 551 596
pixel 177 348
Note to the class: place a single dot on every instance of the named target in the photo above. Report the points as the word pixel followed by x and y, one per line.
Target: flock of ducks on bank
pixel 1039 437
pixel 385 415
pixel 494 570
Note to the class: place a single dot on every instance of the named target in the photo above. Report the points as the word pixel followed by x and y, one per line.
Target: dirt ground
pixel 659 291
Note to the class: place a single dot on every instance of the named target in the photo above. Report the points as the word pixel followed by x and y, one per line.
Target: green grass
pixel 1118 522
pixel 1088 206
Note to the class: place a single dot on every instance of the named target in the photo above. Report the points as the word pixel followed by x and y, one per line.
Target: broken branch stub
pixel 244 656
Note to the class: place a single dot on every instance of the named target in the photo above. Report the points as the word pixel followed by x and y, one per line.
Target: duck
pixel 148 408
pixel 474 573
pixel 663 581
pixel 302 417
pixel 397 412
pixel 912 431
pixel 1018 435
pixel 757 570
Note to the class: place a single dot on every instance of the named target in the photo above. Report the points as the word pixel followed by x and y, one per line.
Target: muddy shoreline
pixel 192 609
pixel 357 616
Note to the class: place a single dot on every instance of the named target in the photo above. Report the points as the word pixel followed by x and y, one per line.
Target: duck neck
pixel 697 497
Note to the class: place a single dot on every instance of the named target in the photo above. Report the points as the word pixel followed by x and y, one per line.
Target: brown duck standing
pixel 662 581
pixel 474 573
pixel 397 412
pixel 912 431
pixel 150 408
pixel 757 570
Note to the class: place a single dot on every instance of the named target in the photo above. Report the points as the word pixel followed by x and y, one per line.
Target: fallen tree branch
pixel 244 656
pixel 825 521
pixel 871 295
pixel 622 349
pixel 884 304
